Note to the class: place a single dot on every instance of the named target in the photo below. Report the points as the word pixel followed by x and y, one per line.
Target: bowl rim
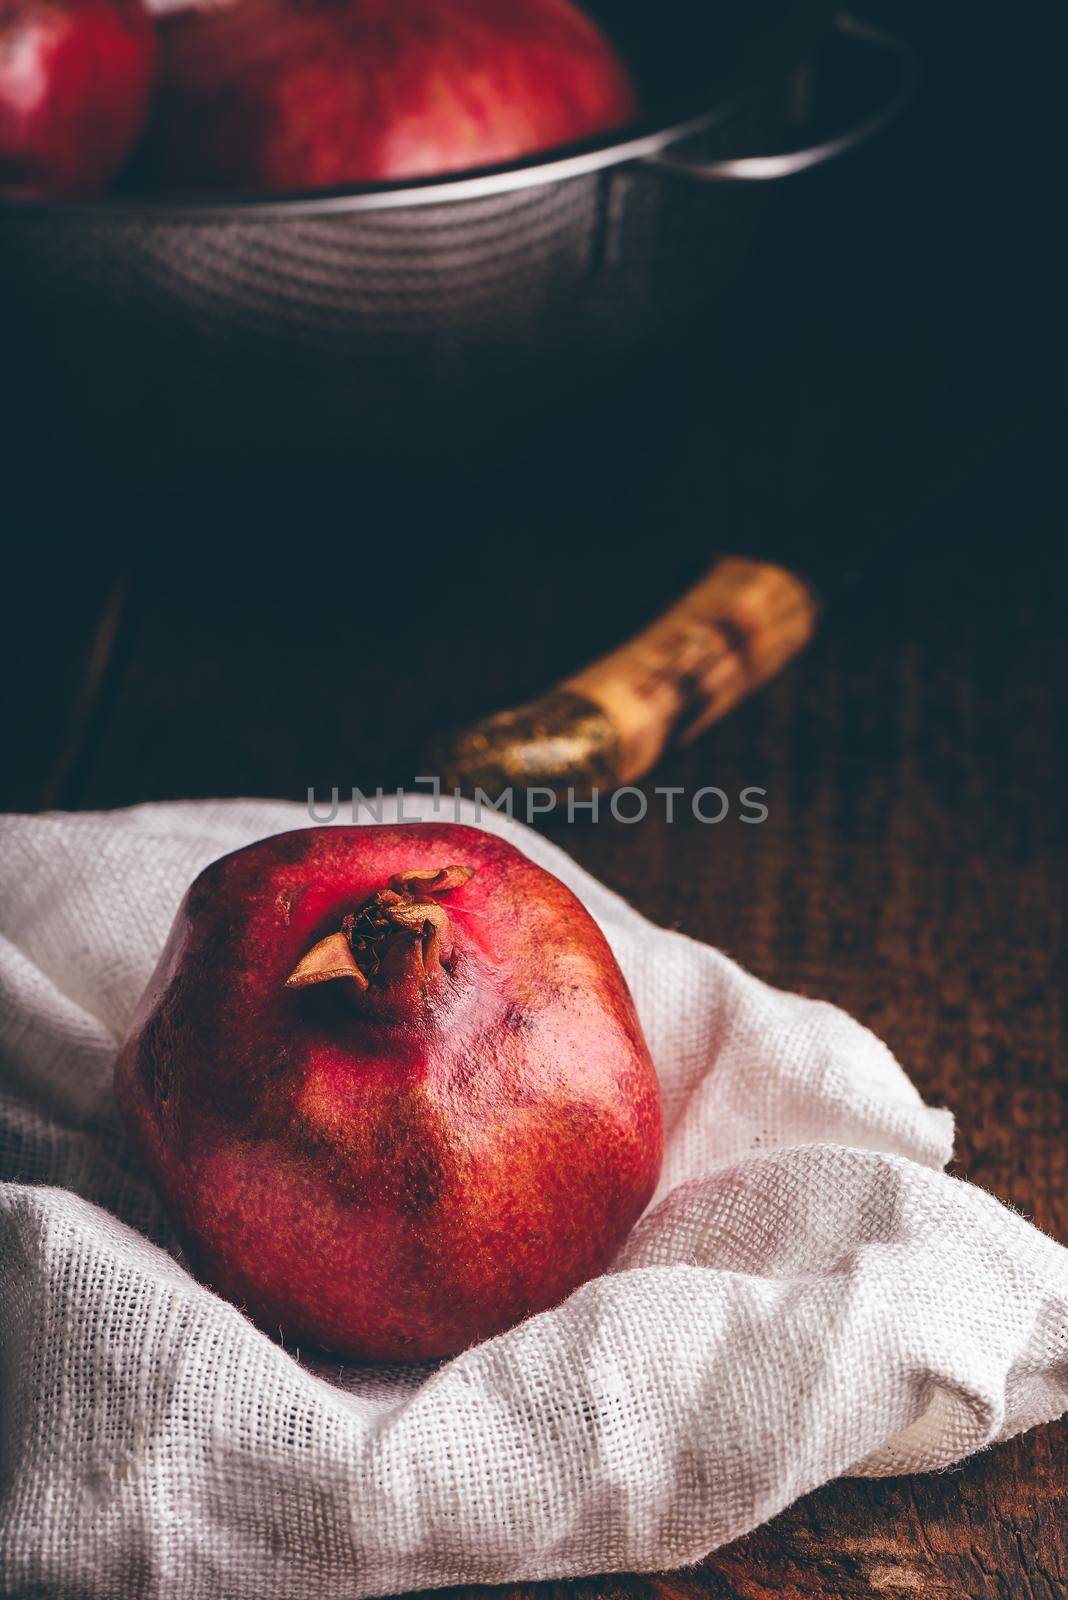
pixel 722 96
pixel 618 148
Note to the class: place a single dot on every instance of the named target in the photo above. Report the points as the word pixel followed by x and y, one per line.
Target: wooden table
pixel 912 866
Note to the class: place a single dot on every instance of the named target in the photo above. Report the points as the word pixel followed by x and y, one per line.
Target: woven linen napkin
pixel 809 1295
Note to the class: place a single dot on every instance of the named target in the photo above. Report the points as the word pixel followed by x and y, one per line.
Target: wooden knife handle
pixel 610 723
pixel 727 636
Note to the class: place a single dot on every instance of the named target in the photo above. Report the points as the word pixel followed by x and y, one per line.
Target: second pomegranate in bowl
pixel 271 95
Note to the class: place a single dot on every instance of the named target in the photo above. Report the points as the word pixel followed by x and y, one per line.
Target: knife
pixel 745 620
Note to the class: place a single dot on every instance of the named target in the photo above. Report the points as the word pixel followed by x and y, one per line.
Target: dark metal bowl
pixel 411 322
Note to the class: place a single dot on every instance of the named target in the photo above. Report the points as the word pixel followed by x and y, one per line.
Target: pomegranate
pixel 298 94
pixel 74 86
pixel 391 1084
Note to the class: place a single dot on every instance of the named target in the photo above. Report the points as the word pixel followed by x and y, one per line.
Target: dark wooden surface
pixel 889 387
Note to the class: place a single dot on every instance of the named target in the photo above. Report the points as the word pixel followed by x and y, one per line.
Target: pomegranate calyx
pixel 393 940
pixel 437 880
pixel 331 958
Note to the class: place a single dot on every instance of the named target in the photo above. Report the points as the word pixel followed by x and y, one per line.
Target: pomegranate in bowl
pixel 75 77
pixel 274 95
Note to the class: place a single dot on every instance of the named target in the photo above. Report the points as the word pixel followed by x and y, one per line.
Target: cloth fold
pixel 809 1294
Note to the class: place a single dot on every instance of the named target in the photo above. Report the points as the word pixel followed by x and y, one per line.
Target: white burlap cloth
pixel 808 1296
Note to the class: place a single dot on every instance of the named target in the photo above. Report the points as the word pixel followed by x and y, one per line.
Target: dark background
pixel 887 367
pixel 880 402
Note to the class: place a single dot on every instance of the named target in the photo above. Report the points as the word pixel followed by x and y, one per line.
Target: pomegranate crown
pixel 395 937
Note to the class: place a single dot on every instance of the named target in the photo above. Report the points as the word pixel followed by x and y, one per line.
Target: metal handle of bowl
pixel 764 169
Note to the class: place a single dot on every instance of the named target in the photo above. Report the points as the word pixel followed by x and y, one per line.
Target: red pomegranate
pixel 392 1087
pixel 300 94
pixel 74 85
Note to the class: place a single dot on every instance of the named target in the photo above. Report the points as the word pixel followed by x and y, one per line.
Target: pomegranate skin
pixel 397 1172
pixel 75 77
pixel 269 95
